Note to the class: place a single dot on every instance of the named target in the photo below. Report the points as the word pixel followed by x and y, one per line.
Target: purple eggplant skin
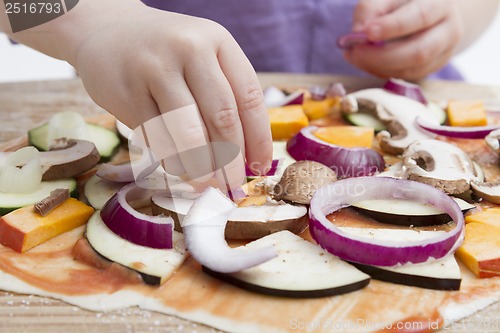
pixel 313 293
pixel 425 282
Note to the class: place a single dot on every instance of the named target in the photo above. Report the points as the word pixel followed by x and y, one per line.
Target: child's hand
pixel 155 62
pixel 420 35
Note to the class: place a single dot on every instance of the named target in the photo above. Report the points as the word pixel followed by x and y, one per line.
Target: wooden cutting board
pixel 25 105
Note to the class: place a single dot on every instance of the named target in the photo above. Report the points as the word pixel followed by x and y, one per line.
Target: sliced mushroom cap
pixel 493 140
pixel 250 222
pixel 397 113
pixel 487 190
pixel 439 164
pixel 255 222
pixel 301 179
pixel 68 158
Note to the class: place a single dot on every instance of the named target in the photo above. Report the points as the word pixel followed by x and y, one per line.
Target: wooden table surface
pixel 25 105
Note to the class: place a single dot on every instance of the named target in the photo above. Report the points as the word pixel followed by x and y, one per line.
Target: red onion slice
pixel 123 130
pixel 203 229
pixel 318 93
pixel 274 97
pixel 129 171
pixel 346 162
pixel 351 39
pixel 21 171
pixel 275 166
pixel 381 252
pixel 406 89
pixel 474 132
pixel 295 98
pixel 237 194
pixel 336 89
pixel 138 228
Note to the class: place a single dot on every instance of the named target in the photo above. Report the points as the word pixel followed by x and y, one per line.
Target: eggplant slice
pixel 156 266
pixel 407 213
pixel 441 274
pixel 286 276
pixel 250 222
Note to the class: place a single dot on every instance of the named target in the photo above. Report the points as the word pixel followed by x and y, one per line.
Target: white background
pixel 479 64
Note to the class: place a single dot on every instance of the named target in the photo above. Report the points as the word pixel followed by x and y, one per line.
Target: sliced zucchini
pixel 98 191
pixel 441 274
pixel 155 265
pixel 301 269
pixel 106 141
pixel 13 201
pixel 368 120
pixel 404 212
pixel 364 120
pixel 438 112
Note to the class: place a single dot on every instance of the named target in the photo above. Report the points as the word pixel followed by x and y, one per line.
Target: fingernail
pixel 266 167
pixel 259 169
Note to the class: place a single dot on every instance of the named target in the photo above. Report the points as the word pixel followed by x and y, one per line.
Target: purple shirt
pixel 285 36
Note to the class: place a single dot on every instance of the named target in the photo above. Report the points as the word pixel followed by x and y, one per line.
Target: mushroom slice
pixel 397 113
pixel 254 222
pixel 301 179
pixel 250 222
pixel 487 190
pixel 396 171
pixel 68 158
pixel 439 164
pixel 493 140
pixel 393 171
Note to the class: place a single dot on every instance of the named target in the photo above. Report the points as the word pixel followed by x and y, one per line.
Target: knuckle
pixel 252 100
pixel 396 24
pixel 227 120
pixel 219 30
pixel 191 43
pixel 192 133
pixel 424 16
pixel 421 56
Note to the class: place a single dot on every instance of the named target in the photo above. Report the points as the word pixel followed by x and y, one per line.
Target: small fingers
pixel 409 58
pixel 410 18
pixel 158 139
pixel 250 101
pixel 185 126
pixel 218 109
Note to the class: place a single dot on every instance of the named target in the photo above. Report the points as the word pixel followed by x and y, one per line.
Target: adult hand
pixel 420 36
pixel 191 71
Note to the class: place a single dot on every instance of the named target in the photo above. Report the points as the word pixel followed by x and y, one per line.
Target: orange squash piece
pixel 287 121
pixel 256 200
pixel 319 109
pixel 346 136
pixel 256 195
pixel 480 251
pixel 24 228
pixel 489 216
pixel 466 113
